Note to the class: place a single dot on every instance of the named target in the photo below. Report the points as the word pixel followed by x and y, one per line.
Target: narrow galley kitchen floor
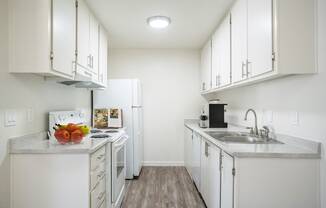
pixel 162 187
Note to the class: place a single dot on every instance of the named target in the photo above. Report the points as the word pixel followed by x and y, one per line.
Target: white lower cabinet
pixel 210 174
pixel 195 167
pixel 187 149
pixel 60 180
pixel 225 181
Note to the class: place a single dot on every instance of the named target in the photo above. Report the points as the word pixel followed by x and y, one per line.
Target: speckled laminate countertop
pixel 39 144
pixel 292 148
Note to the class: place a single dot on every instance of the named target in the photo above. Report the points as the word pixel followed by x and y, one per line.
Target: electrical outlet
pixel 268 116
pixel 10 118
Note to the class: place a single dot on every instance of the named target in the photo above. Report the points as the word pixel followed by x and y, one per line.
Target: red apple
pixel 77 136
pixel 62 136
pixel 72 127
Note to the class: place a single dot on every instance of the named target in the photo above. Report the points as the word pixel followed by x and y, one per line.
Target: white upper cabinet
pixel 260 37
pixel 266 42
pixel 83 31
pixel 94 43
pixel 88 40
pixel 221 54
pixel 239 40
pixel 103 57
pixel 63 36
pixel 206 66
pixel 60 39
pixel 43 41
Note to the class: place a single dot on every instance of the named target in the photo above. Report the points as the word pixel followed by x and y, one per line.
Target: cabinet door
pixel 260 37
pixel 225 70
pixel 83 35
pixel 196 159
pixel 227 181
pixel 63 36
pixel 210 175
pixel 221 55
pixel 94 44
pixel 103 57
pixel 216 58
pixel 188 149
pixel 239 40
pixel 206 66
pixel 203 171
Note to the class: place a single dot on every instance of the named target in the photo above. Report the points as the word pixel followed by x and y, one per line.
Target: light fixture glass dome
pixel 158 22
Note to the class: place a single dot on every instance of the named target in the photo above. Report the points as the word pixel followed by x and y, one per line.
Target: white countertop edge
pixel 24 147
pixel 312 150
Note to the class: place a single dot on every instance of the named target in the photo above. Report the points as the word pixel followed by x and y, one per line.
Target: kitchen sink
pixel 240 137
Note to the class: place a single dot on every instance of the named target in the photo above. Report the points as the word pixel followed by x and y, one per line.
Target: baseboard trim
pixel 163 163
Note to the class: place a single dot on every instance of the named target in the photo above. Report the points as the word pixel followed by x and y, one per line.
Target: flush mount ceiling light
pixel 158 22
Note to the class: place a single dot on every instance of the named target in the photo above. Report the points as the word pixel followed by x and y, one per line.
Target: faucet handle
pixel 251 129
pixel 264 132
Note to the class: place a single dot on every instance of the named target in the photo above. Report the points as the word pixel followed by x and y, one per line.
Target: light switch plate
pixel 10 118
pixel 30 115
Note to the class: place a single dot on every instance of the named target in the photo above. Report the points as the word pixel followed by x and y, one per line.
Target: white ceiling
pixel 193 21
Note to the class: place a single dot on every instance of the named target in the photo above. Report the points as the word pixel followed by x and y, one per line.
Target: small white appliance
pixel 126 95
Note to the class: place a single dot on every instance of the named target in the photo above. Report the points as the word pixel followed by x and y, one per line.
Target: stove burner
pixel 96 136
pixel 93 131
pixel 111 131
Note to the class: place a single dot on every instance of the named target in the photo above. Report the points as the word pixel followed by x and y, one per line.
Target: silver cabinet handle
pixel 92 61
pixel 247 66
pixel 242 70
pixel 216 80
pixel 89 60
pixel 204 85
pixel 206 149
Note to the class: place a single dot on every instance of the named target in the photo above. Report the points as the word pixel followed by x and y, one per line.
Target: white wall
pixel 170 80
pixel 303 94
pixel 22 92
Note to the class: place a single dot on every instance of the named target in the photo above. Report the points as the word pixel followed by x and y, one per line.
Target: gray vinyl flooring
pixel 162 187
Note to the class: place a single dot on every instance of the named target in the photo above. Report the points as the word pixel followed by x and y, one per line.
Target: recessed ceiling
pixel 193 21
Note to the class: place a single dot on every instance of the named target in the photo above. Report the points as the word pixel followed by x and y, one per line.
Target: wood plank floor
pixel 162 187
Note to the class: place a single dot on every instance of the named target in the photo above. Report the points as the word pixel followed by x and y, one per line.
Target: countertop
pixel 292 148
pixel 39 144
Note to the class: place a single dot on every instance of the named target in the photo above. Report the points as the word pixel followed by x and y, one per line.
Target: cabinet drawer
pixel 98 194
pixel 97 158
pixel 97 174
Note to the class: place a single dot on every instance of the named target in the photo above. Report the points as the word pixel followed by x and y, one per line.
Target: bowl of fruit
pixel 70 133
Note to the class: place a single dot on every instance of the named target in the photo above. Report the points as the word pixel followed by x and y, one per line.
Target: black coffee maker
pixel 216 115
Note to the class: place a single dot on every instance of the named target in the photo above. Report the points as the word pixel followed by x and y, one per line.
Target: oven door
pixel 118 167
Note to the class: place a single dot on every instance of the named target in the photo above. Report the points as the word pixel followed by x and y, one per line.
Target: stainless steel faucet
pixel 255 131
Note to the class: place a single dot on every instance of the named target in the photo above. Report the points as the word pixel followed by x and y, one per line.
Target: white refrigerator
pixel 126 94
